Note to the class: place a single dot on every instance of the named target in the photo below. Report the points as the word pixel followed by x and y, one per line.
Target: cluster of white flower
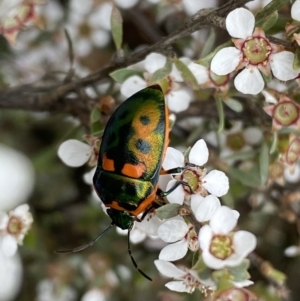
pixel 220 244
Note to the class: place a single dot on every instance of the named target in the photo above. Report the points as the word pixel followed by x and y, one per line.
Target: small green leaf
pixel 96 125
pixel 268 22
pixel 205 61
pixel 209 43
pixel 269 9
pixel 234 104
pixel 244 155
pixel 296 62
pixel 116 27
pixel 274 143
pixel 121 75
pixel 264 163
pixel 187 74
pixel 240 272
pixel 95 115
pixel 161 73
pixel 220 109
pixel 70 47
pixel 167 211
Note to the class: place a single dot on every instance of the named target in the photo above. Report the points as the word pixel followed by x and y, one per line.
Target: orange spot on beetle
pixel 133 171
pixel 108 164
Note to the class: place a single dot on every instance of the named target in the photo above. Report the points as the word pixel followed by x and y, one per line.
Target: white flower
pixel 13 228
pixel 89 25
pixel 93 295
pixel 185 280
pixel 215 182
pixel 253 52
pixel 220 246
pixel 48 289
pixel 236 140
pixel 11 275
pixel 204 207
pixel 180 235
pixel 295 10
pixel 75 153
pixel 16 178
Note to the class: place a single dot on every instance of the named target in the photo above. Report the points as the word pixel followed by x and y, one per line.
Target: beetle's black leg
pixel 132 259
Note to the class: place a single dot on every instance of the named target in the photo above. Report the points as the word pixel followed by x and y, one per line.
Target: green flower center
pixel 256 50
pixel 293 152
pixel 235 141
pixel 286 113
pixel 192 178
pixel 221 246
pixel 15 225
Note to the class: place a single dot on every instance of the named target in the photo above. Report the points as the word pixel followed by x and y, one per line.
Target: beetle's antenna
pixel 132 259
pixel 85 246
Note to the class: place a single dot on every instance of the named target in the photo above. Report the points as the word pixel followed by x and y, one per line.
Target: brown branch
pixel 53 98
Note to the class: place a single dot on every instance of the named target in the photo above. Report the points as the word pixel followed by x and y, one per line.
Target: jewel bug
pixel 130 159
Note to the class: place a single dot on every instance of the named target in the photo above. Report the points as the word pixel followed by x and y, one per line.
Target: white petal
pixel 174 251
pixel 292 177
pixel 100 37
pixel 92 295
pixel 207 208
pixel 216 183
pixel 88 176
pixel 137 236
pixel 126 3
pixel 149 225
pixel 196 200
pixel 240 23
pixel 168 269
pixel 223 221
pixel 154 61
pixel 192 6
pixel 212 262
pixel 74 153
pixel 295 11
pixel 103 15
pixel 292 251
pixel 178 286
pixel 3 220
pixel 21 210
pixel 176 196
pixel 205 236
pixel 11 275
pixel 178 100
pixel 174 158
pixel 9 245
pixel 199 153
pixel 175 74
pixel 253 135
pixel 163 181
pixel 242 283
pixel 244 242
pixel 249 81
pixel 200 72
pixel 225 60
pixel 282 65
pixel 172 230
pixel 16 178
pixel 132 85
